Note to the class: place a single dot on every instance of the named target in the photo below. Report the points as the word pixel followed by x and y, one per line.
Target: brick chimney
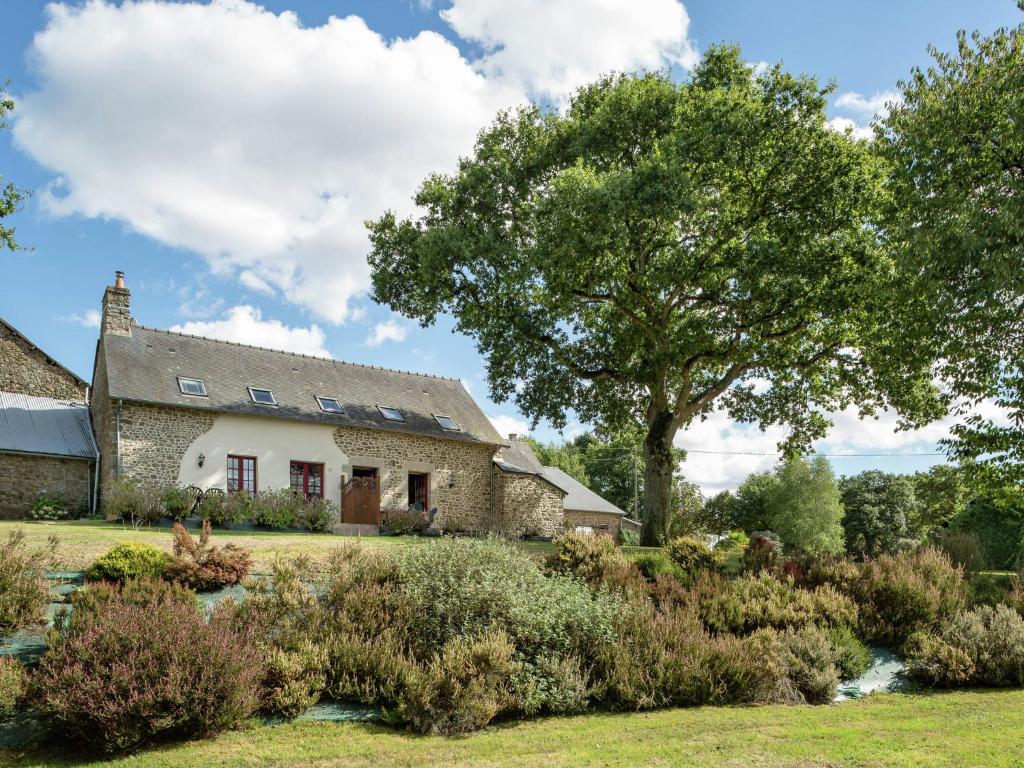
pixel 117 316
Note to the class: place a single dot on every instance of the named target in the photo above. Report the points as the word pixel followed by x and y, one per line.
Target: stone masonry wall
pixel 23 478
pixel 601 522
pixel 27 371
pixel 527 505
pixel 154 439
pixel 460 480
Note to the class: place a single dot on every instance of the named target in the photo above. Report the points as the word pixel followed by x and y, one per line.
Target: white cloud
pixel 867 107
pixel 552 48
pixel 263 145
pixel 390 330
pixel 844 124
pixel 245 324
pixel 88 319
pixel 509 425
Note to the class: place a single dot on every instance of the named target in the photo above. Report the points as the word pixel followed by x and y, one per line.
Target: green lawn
pixel 950 729
pixel 82 541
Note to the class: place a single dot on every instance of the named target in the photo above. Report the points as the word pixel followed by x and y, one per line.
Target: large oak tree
pixel 658 249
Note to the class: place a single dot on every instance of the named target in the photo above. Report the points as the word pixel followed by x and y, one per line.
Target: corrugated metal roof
pixel 44 425
pixel 144 368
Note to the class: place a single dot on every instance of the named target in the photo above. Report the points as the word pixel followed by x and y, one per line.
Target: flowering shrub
pixel 596 560
pixel 128 561
pixel 49 508
pixel 763 551
pixel 115 677
pixel 12 685
pixel 24 593
pixel 203 566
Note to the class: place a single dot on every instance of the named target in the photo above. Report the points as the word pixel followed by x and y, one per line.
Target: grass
pixel 82 541
pixel 973 728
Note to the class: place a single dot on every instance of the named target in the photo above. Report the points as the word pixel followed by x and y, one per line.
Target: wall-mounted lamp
pixel 451 483
pixel 201 459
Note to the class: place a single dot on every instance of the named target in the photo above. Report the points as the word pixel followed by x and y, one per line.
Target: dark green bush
pixel 124 499
pixel 12 685
pixel 629 537
pixel 49 508
pixel 225 509
pixel 128 561
pixel 852 657
pixel 734 541
pixel 984 646
pixel 964 550
pixel 903 593
pixel 692 555
pixel 177 501
pixel 24 592
pixel 280 508
pixel 654 564
pixel 129 672
pixel 990 588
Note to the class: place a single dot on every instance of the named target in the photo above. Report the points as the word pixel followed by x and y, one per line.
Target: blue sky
pixel 224 155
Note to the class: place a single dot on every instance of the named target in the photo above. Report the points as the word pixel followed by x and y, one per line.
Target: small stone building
pixel 26 370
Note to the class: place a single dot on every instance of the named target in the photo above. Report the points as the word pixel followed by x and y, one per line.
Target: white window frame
pixel 262 389
pixel 320 401
pixel 190 379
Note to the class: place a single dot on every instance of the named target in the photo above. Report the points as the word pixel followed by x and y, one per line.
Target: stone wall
pixel 460 473
pixel 23 478
pixel 154 438
pixel 601 522
pixel 27 370
pixel 527 505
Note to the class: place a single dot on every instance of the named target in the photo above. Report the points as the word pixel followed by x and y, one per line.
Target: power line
pixel 828 455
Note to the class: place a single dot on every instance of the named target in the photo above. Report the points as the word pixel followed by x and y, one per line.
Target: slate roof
pixel 32 345
pixel 518 457
pixel 144 368
pixel 42 425
pixel 578 498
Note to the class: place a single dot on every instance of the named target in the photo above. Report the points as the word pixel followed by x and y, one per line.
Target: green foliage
pixel 581 249
pixel 568 457
pixel 177 501
pixel 964 549
pixel 956 223
pixel 719 513
pixel 687 512
pixel 654 564
pixel 125 499
pixel 128 561
pixel 811 663
pixel 281 508
pixel 628 537
pixel 318 515
pixel 750 502
pixel 24 591
pixel 49 508
pixel 734 541
pixel 941 493
pixel 984 646
pixel 804 507
pixel 595 559
pixel 11 198
pixel 400 522
pixel 12 685
pixel 903 593
pixel 852 657
pixel 999 529
pixel 226 509
pixel 691 555
pixel 880 513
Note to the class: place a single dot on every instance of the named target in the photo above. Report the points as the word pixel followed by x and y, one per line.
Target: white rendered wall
pixel 274 442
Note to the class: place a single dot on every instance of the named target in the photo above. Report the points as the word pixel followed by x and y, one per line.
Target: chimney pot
pixel 119 279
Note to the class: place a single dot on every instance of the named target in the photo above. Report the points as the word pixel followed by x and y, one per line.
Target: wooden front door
pixel 360 500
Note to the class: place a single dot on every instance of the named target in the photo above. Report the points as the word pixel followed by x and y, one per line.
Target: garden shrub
pixel 990 588
pixel 400 522
pixel 129 673
pixel 465 589
pixel 745 604
pixel 12 685
pixel 368 669
pixel 463 687
pixel 692 555
pixel 629 537
pixel 852 657
pixel 281 508
pixel 836 571
pixel 178 501
pixel 763 551
pixel 24 592
pixel 90 601
pixel 654 564
pixel 128 560
pixel 318 515
pixel 810 660
pixel 963 549
pixel 595 559
pixel 983 646
pixel 203 566
pixel 49 508
pixel 124 499
pixel 906 592
pixel 225 509
pixel 734 541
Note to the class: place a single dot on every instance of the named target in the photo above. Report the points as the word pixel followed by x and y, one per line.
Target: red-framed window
pixel 419 489
pixel 307 478
pixel 242 474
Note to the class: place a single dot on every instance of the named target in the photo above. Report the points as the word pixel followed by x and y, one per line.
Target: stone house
pixel 46 442
pixel 170 408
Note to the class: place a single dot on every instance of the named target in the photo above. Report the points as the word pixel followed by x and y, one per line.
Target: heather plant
pixel 225 509
pixel 903 593
pixel 762 553
pixel 128 560
pixel 131 671
pixel 203 566
pixel 400 522
pixel 24 593
pixel 983 646
pixel 692 555
pixel 595 559
pixel 852 657
pixel 12 685
pixel 318 515
pixel 125 499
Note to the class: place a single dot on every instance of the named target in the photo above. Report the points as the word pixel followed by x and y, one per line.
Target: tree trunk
pixel 659 466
